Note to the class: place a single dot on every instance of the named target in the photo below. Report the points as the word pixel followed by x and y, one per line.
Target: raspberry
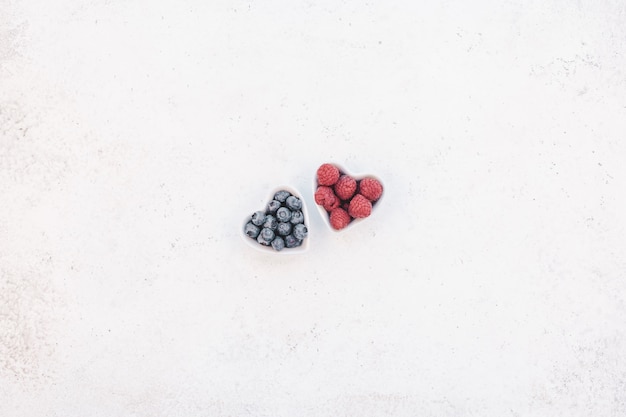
pixel 325 197
pixel 327 174
pixel 339 218
pixel 345 187
pixel 370 188
pixel 360 207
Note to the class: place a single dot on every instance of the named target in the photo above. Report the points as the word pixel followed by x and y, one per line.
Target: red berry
pixel 345 187
pixel 370 188
pixel 327 174
pixel 325 197
pixel 339 218
pixel 360 207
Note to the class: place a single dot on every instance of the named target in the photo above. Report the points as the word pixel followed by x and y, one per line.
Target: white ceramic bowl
pixel 268 249
pixel 357 176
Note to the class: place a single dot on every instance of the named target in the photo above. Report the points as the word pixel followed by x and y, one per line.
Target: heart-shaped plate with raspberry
pixel 345 199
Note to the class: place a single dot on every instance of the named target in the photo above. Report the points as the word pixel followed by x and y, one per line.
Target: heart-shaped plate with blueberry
pixel 281 227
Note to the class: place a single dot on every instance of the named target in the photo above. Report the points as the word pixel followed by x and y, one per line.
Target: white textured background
pixel 135 135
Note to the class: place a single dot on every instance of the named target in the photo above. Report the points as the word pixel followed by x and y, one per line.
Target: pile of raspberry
pixel 343 197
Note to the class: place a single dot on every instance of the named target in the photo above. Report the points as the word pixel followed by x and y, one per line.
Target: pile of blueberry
pixel 281 225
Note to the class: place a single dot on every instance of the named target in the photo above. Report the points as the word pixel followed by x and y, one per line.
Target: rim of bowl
pixel 268 249
pixel 357 176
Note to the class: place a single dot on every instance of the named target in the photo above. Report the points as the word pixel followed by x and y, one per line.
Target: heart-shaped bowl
pixel 357 176
pixel 268 249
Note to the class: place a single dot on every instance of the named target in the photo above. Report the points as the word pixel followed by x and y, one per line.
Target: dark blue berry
pixel 284 228
pixel 292 242
pixel 297 217
pixel 266 236
pixel 273 205
pixel 281 196
pixel 251 230
pixel 278 243
pixel 258 218
pixel 300 231
pixel 283 214
pixel 270 222
pixel 293 202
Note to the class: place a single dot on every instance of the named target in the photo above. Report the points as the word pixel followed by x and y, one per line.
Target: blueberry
pixel 284 228
pixel 293 202
pixel 270 222
pixel 300 231
pixel 258 218
pixel 266 236
pixel 281 196
pixel 251 230
pixel 278 243
pixel 283 214
pixel 292 242
pixel 297 217
pixel 273 205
